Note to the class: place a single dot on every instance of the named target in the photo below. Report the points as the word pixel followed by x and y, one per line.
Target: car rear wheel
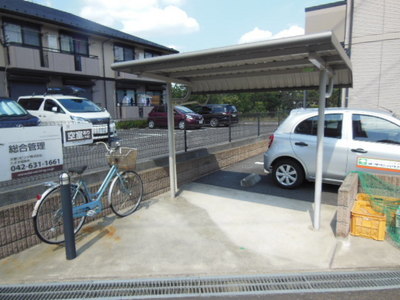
pixel 152 124
pixel 214 122
pixel 181 124
pixel 288 173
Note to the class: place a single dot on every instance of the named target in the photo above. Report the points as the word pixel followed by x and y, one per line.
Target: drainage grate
pixel 208 286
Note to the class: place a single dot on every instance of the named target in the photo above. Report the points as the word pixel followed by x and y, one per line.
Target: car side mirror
pixel 54 109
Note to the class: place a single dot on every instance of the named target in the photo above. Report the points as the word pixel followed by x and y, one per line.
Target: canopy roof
pixel 288 63
pixel 301 62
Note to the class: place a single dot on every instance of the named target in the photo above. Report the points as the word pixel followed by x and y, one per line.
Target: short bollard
pixel 66 202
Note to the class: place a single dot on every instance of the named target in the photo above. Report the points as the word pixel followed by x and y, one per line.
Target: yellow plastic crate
pixel 366 197
pixel 366 222
pixel 382 204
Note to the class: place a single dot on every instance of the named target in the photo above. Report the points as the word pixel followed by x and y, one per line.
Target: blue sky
pixel 189 25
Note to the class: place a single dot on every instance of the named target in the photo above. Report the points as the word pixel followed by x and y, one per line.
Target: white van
pixel 60 109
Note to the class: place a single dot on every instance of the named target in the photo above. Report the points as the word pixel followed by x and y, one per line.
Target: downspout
pixel 350 15
pixel 6 63
pixel 104 73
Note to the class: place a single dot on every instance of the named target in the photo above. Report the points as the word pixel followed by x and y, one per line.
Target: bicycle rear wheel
pixel 125 193
pixel 48 221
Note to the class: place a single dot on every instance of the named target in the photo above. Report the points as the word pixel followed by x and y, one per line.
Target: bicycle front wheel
pixel 125 193
pixel 48 221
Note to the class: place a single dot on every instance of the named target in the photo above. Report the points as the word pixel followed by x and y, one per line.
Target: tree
pixel 261 101
pixel 178 91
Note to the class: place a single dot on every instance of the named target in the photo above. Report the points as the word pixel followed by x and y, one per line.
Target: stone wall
pixel 16 228
pixel 346 197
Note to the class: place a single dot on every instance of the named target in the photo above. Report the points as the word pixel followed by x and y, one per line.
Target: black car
pixel 14 115
pixel 218 114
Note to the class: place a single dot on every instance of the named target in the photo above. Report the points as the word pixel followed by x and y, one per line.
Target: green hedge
pixel 132 124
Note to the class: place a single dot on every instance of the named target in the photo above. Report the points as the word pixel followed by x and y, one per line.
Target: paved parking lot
pixel 231 177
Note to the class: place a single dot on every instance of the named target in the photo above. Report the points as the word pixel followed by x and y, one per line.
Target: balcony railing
pixel 52 60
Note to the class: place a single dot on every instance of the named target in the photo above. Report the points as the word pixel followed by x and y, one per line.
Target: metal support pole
pixel 258 124
pixel 323 80
pixel 185 136
pixel 171 143
pixel 230 129
pixel 66 203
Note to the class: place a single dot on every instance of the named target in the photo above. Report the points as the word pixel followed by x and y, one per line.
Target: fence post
pixel 108 132
pixel 185 137
pixel 230 130
pixel 66 203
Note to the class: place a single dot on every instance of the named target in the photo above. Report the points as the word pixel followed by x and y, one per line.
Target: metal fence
pixel 153 143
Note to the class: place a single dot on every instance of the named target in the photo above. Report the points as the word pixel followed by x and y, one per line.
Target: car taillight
pixel 271 139
pixel 38 196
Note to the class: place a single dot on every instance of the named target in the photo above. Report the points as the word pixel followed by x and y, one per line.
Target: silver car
pixel 355 139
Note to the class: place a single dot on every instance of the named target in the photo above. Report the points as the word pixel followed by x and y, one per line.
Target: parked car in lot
pixel 355 140
pixel 59 109
pixel 183 116
pixel 13 115
pixel 218 114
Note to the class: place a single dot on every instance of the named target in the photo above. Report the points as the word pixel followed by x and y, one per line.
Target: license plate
pixel 201 122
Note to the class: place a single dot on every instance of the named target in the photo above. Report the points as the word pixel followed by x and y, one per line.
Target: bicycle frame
pixel 94 203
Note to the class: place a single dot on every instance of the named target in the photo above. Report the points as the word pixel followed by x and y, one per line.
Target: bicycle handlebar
pixel 109 148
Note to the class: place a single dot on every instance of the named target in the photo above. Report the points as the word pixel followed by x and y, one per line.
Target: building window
pixel 155 97
pixel 75 44
pixel 149 54
pixel 126 97
pixel 23 34
pixel 122 53
pixel 52 42
pixel 66 43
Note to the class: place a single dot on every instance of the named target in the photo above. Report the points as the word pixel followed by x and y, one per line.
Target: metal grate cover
pixel 208 286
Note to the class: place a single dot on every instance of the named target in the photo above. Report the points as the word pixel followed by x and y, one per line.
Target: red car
pixel 184 117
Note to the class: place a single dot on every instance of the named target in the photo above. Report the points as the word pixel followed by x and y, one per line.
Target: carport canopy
pixel 301 62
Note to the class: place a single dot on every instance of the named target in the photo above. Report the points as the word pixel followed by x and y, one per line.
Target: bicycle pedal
pixel 91 213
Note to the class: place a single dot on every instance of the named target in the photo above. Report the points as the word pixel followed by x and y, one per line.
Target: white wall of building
pixel 372 33
pixel 375 55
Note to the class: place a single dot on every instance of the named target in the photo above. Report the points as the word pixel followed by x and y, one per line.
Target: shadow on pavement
pixel 231 179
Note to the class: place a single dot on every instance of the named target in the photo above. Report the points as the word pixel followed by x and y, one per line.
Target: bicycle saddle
pixel 77 170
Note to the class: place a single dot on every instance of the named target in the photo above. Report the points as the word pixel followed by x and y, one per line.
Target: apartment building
pixel 370 31
pixel 43 47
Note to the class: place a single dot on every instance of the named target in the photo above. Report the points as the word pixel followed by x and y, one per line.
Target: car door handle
pixel 359 150
pixel 301 144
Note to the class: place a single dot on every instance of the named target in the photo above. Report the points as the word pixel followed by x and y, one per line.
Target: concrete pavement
pixel 207 230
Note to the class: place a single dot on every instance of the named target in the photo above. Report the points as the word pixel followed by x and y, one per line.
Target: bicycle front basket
pixel 124 158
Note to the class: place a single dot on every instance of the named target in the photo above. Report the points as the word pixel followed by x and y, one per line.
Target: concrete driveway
pixel 209 229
